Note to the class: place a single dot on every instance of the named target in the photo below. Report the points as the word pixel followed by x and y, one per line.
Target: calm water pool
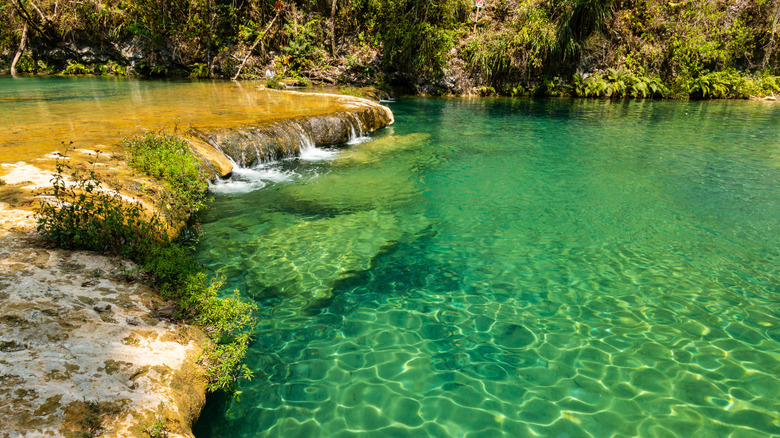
pixel 512 268
pixel 38 113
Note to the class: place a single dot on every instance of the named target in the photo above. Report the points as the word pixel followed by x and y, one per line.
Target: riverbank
pixel 121 362
pixel 695 49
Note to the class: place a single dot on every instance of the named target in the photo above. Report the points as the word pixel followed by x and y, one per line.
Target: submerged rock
pixel 360 189
pixel 356 184
pixel 291 256
pixel 309 256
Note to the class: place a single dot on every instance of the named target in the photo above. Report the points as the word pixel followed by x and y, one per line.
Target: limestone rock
pixel 58 348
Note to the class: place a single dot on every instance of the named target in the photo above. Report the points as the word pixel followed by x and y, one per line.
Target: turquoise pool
pixel 512 268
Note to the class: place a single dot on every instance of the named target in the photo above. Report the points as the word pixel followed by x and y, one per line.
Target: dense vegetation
pixel 657 47
pixel 88 215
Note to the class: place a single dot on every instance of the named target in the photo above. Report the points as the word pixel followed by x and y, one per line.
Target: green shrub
pixel 517 90
pixel 486 91
pixel 84 215
pixel 87 216
pixel 275 82
pixel 548 86
pixel 77 68
pixel 199 70
pixel 26 64
pixel 167 158
pixel 730 84
pixel 351 91
pixel 618 83
pixel 115 68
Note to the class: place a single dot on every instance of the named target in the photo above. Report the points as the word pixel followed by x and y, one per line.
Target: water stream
pixel 512 268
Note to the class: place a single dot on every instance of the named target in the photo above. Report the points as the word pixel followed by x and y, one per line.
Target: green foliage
pixel 303 42
pixel 167 158
pixel 513 91
pixel 618 83
pixel 200 70
pixel 542 36
pixel 684 40
pixel 351 91
pixel 44 68
pixel 92 422
pixel 418 34
pixel 548 86
pixel 85 215
pixel 159 428
pixel 299 80
pixel 114 68
pixel 514 42
pixel 26 64
pixel 224 363
pixel 158 70
pixel 275 82
pixel 76 68
pixel 486 91
pixel 731 84
pixel 575 21
pixel 490 53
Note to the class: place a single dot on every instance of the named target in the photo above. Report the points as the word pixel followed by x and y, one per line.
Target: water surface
pixel 512 268
pixel 38 114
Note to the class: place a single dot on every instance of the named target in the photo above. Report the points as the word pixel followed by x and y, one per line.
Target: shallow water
pixel 491 268
pixel 38 114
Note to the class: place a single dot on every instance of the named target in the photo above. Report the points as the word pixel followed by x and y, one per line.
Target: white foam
pixel 245 180
pixel 233 186
pixel 359 140
pixel 311 153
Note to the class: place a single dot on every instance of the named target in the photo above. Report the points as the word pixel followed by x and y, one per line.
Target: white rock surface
pixel 57 351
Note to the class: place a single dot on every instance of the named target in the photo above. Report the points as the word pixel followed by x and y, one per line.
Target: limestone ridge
pixel 248 145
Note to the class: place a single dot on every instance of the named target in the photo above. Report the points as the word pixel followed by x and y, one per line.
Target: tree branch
pixel 17 4
pixel 257 41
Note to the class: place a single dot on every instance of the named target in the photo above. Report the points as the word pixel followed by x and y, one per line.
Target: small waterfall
pixel 308 151
pixel 249 146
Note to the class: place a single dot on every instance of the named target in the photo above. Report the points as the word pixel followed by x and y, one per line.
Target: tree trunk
pixel 770 47
pixel 257 41
pixel 20 50
pixel 332 28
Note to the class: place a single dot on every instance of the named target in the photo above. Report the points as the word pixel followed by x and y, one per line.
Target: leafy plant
pixel 77 68
pixel 275 82
pixel 351 91
pixel 85 215
pixel 158 70
pixel 200 70
pixel 618 83
pixel 82 214
pixel 486 91
pixel 168 158
pixel 159 428
pixel 92 422
pixel 731 84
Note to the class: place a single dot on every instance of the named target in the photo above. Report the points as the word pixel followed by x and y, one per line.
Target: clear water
pixel 513 268
pixel 38 113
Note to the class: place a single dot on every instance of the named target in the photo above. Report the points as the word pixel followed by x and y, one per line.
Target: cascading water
pixel 269 141
pixel 291 138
